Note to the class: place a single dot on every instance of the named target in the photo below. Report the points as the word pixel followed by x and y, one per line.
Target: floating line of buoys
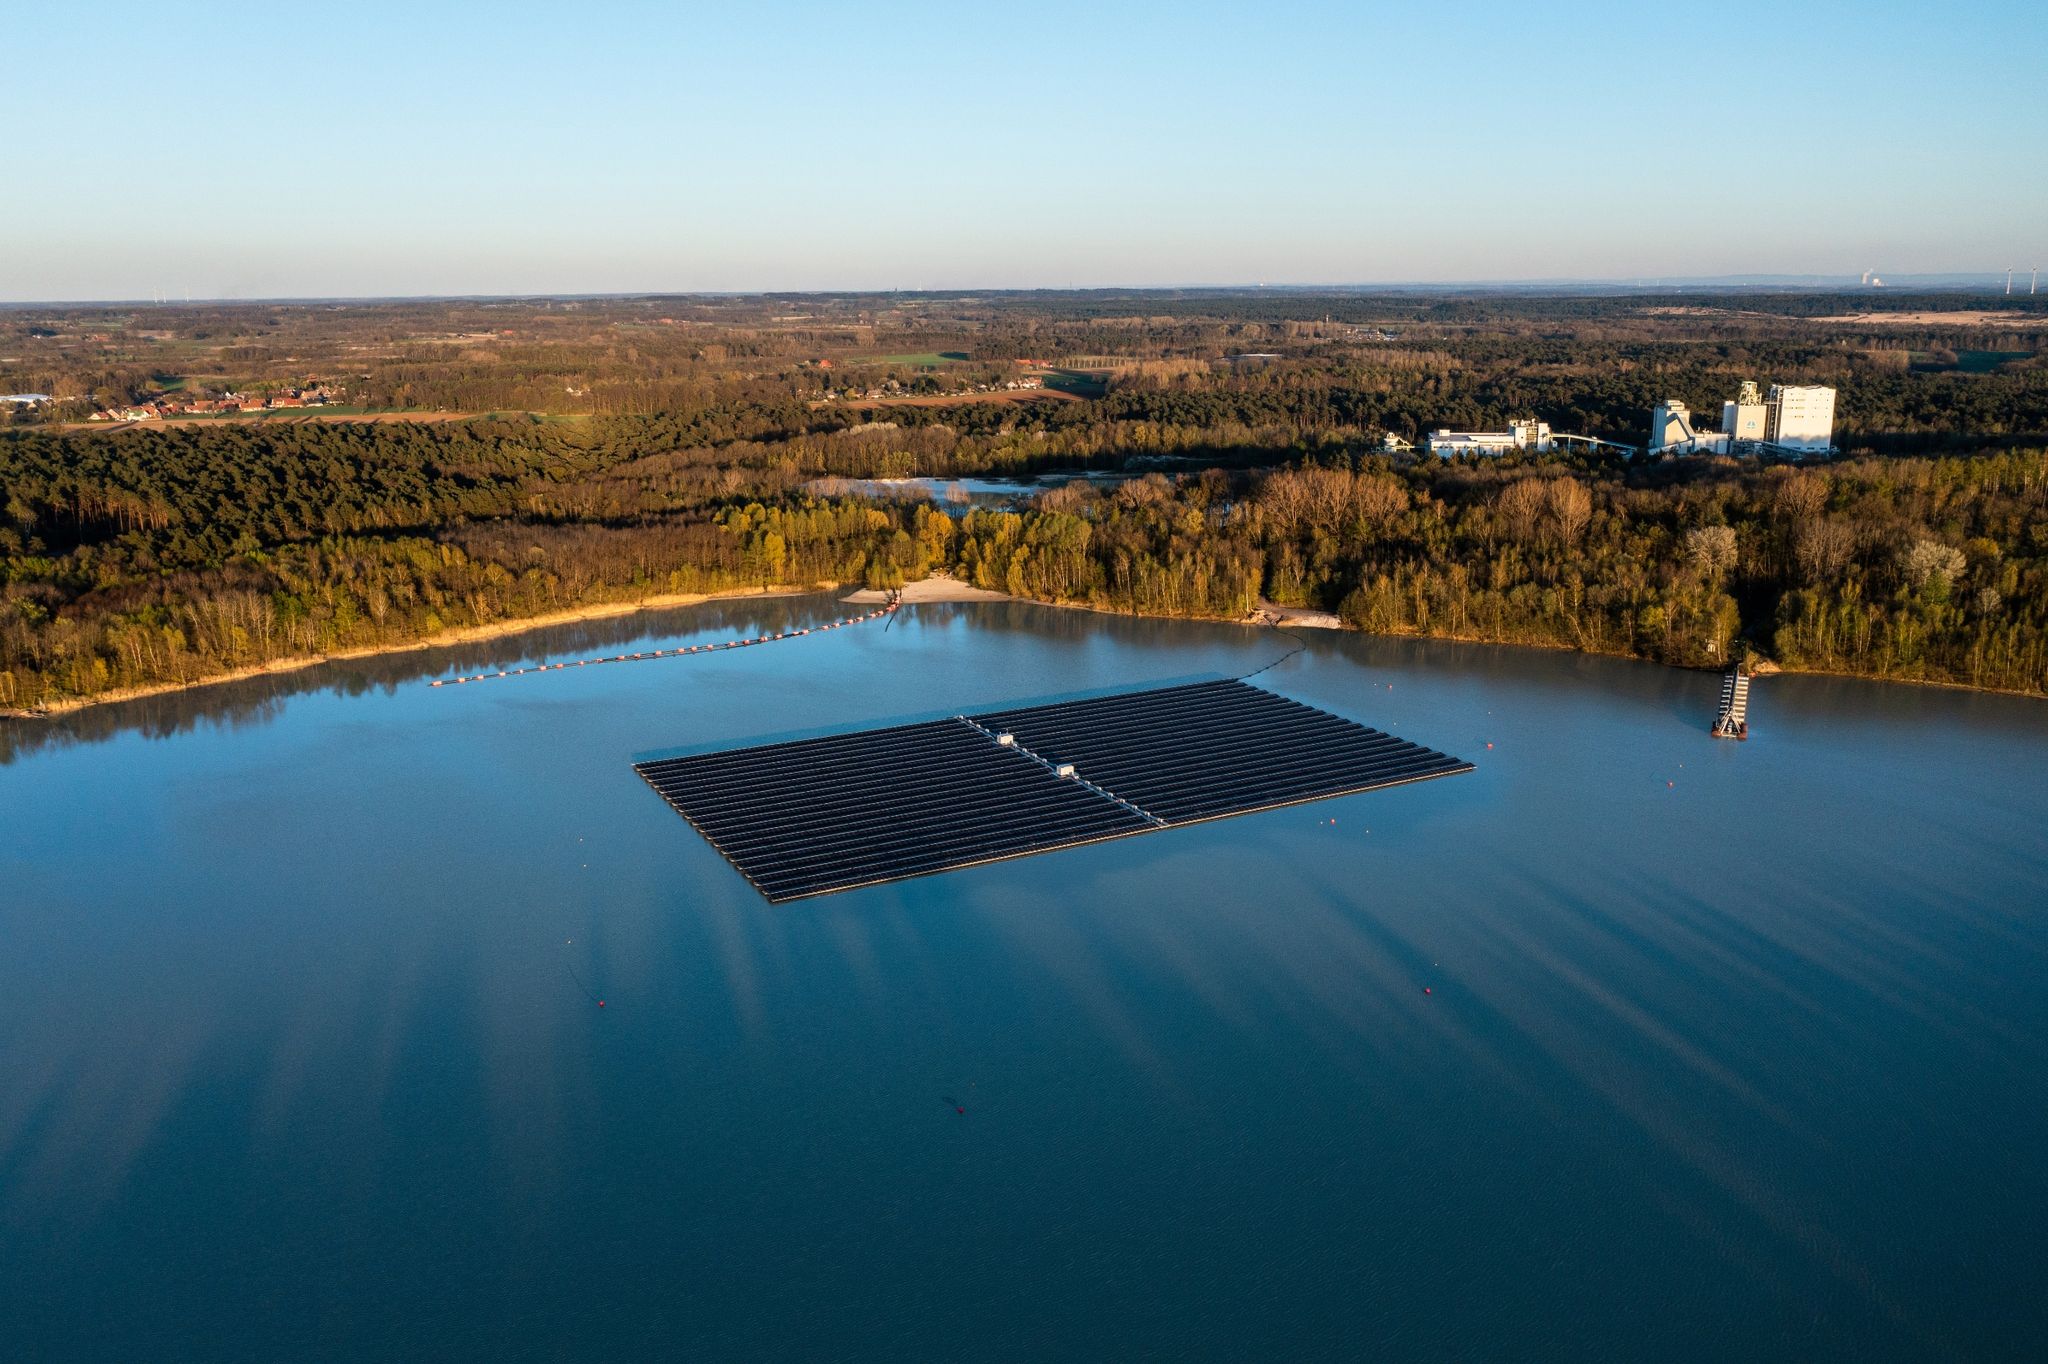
pixel 895 600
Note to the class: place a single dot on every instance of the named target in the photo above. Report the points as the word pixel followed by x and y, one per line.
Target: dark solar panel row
pixel 1200 752
pixel 813 816
pixel 820 815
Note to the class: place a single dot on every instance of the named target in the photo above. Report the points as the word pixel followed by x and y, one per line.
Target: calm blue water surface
pixel 1632 1045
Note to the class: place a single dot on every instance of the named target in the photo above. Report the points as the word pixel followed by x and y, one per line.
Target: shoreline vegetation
pixel 937 589
pixel 1929 570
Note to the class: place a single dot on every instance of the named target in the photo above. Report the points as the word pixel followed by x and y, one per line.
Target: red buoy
pixel 600 1004
pixel 1426 990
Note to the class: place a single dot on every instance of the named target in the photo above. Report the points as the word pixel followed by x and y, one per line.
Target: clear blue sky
pixel 243 150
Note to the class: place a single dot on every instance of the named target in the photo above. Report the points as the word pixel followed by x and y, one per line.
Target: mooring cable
pixel 583 984
pixel 1300 646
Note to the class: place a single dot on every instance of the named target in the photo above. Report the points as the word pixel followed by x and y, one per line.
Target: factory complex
pixel 1791 419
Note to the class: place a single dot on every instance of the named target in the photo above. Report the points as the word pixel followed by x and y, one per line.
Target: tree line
pixel 168 555
pixel 1928 569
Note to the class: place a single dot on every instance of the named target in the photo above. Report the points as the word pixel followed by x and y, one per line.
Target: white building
pixel 1802 418
pixel 1528 434
pixel 1672 433
pixel 1746 419
pixel 1795 419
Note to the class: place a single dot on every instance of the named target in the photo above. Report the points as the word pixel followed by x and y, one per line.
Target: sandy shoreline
pixel 937 588
pixel 468 634
pixel 940 588
pixel 1294 617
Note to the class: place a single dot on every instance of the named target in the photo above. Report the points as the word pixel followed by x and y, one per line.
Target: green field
pixel 1967 361
pixel 1984 361
pixel 1080 385
pixel 930 359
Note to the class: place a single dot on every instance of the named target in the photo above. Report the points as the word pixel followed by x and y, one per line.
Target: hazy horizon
pixel 1956 282
pixel 641 149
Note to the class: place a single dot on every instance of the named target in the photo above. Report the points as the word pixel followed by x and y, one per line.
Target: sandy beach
pixel 1294 617
pixel 938 587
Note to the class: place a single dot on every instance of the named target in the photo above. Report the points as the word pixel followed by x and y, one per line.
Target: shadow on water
pixel 1627 1045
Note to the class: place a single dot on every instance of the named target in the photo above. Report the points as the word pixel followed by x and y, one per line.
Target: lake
pixel 1631 1045
pixel 958 496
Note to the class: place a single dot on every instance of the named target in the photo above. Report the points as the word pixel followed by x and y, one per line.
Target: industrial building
pixel 1794 419
pixel 1529 434
pixel 1745 419
pixel 1801 418
pixel 1672 432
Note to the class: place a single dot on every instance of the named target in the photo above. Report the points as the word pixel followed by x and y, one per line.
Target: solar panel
pixel 813 816
pixel 820 815
pixel 1186 754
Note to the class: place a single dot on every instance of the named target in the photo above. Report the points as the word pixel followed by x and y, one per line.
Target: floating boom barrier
pixel 895 600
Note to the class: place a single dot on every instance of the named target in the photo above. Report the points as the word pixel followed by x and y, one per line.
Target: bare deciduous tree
pixel 1520 506
pixel 1822 549
pixel 1710 550
pixel 1922 561
pixel 1329 500
pixel 1570 507
pixel 1801 496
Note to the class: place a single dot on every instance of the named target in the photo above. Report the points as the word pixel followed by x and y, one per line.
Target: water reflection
pixel 257 700
pixel 958 496
pixel 300 971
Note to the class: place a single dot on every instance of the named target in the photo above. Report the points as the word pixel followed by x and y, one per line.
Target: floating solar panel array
pixel 815 816
pixel 831 814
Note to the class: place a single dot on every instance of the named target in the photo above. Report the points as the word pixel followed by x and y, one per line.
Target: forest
pixel 538 456
pixel 169 555
pixel 1965 369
